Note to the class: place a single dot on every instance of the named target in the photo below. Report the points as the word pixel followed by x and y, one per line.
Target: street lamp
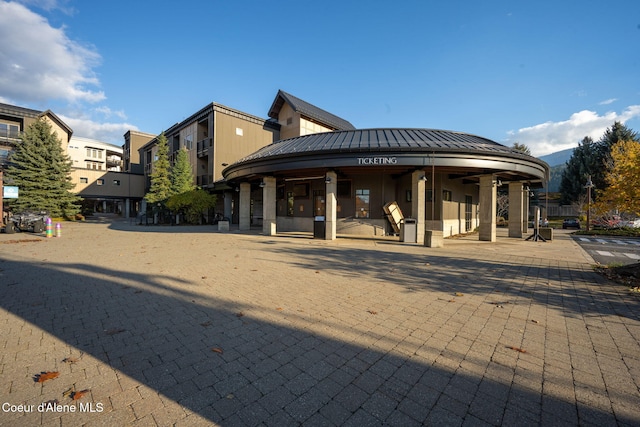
pixel 588 186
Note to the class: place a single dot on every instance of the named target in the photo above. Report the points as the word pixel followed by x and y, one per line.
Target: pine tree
pixel 41 171
pixel 182 174
pixel 521 148
pixel 578 168
pixel 160 189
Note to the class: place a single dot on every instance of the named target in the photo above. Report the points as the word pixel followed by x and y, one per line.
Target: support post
pixel 245 207
pixel 488 193
pixel 269 206
pixel 418 198
pixel 515 209
pixel 331 205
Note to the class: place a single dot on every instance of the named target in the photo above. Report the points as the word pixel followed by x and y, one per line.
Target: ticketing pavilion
pixel 357 181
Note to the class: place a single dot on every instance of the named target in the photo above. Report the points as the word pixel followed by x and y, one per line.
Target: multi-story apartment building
pixel 217 136
pixel 96 166
pixel 97 172
pixel 88 153
pixel 133 141
pixel 13 122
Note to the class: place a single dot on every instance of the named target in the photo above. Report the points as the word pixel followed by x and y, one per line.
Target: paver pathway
pixel 186 326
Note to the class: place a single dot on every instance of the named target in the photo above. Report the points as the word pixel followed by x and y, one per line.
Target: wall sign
pixel 377 160
pixel 10 192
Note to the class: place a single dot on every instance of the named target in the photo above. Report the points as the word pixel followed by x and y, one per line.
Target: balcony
pixel 114 161
pixel 204 180
pixel 203 146
pixel 10 136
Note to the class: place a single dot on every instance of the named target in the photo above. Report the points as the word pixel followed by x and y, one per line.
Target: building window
pixel 100 181
pixel 188 142
pixel 116 182
pixel 362 203
pixel 84 180
pixel 289 120
pixel 239 131
pixel 289 203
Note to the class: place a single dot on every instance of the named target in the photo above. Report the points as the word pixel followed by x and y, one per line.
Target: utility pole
pixel 588 186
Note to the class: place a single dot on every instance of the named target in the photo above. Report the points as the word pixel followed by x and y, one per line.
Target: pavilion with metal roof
pixel 445 181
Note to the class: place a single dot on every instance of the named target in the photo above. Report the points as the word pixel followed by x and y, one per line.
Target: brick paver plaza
pixel 187 326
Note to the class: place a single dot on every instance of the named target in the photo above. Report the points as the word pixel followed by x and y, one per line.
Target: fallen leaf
pixel 279 308
pixel 70 360
pixel 452 300
pixel 230 396
pixel 44 376
pixel 317 272
pixel 217 350
pixel 205 324
pixel 68 393
pixel 534 321
pixel 78 394
pixel 518 349
pixel 204 277
pixel 459 294
pixel 239 314
pixel 114 331
pixel 137 292
pixel 372 312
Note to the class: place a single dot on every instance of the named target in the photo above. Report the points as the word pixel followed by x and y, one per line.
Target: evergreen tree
pixel 521 148
pixel 182 174
pixel 41 171
pixel 160 189
pixel 582 163
pixel 616 133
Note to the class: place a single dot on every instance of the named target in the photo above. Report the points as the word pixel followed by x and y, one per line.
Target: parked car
pixel 607 222
pixel 633 223
pixel 571 223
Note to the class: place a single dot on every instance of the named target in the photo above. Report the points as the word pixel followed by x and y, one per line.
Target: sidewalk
pixel 188 326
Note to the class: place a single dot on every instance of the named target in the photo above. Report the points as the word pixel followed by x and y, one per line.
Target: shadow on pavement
pixel 268 371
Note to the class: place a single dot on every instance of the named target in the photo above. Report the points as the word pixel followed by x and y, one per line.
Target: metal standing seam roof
pixel 384 140
pixel 308 110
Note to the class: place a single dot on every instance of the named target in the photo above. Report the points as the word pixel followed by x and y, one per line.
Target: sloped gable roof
pixel 308 110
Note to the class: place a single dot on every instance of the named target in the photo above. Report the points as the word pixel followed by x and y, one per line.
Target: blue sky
pixel 543 73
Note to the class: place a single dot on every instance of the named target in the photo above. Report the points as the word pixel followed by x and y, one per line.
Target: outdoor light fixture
pixel 423 178
pixel 237 189
pixel 327 180
pixel 262 184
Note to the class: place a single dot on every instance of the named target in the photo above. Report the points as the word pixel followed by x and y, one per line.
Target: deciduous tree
pixel 623 180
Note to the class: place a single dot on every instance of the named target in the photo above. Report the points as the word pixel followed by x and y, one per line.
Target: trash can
pixel 409 230
pixel 319 231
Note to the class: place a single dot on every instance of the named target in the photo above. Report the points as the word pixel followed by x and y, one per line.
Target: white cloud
pixel 608 101
pixel 105 132
pixel 40 63
pixel 550 137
